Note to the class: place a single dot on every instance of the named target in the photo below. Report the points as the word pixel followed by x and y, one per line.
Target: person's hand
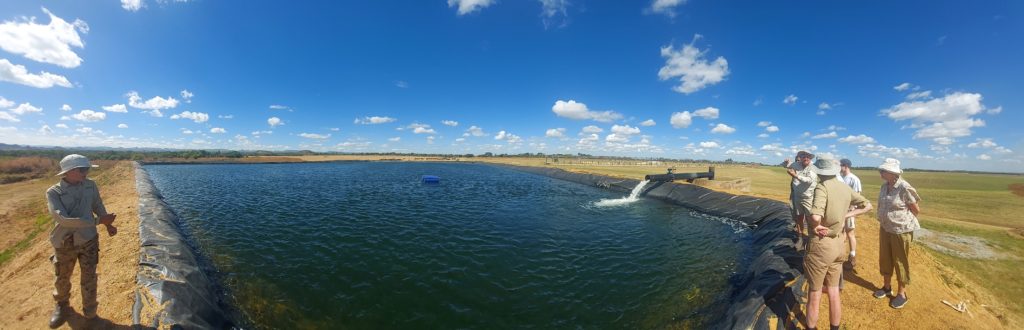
pixel 111 230
pixel 108 219
pixel 786 162
pixel 791 172
pixel 822 231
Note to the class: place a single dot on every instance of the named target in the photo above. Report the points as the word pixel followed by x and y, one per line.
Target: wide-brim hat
pixel 74 161
pixel 891 165
pixel 826 166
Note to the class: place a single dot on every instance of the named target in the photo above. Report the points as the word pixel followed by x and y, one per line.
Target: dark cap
pixel 845 162
pixel 804 154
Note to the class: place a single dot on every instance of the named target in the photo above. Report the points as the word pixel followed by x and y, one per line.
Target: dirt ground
pixel 27 279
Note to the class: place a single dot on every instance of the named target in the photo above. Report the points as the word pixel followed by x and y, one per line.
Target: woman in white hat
pixel 898 206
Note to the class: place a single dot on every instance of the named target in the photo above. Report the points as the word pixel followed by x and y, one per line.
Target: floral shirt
pixel 893 207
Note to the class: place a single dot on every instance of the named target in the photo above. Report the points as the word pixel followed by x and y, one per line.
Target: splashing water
pixel 633 196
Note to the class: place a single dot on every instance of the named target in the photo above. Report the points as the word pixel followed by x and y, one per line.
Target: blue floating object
pixel 431 179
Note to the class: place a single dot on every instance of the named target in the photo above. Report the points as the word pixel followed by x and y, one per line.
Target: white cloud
pixel 374 120
pixel 591 129
pixel 274 122
pixel 919 95
pixel 555 132
pixel 947 117
pixel 691 68
pixel 763 135
pixel 197 117
pixel 89 116
pixel 625 130
pixel 451 123
pixel 24 108
pixel 155 113
pixel 155 103
pixel 553 8
pixel 616 138
pixel 742 151
pixel 187 96
pixel 131 5
pixel 648 123
pixel 315 136
pixel 902 87
pixel 225 116
pixel 982 143
pixel 573 110
pixel 45 130
pixel 401 84
pixel 508 137
pixel 824 106
pixel 5 103
pixel 681 119
pixel 280 107
pixel 665 7
pixel 722 129
pixel 475 131
pixel 65 108
pixel 65 118
pixel 460 139
pixel 771 129
pixel 218 130
pixel 806 134
pixel 334 129
pixel 469 6
pixel 89 131
pixel 61 126
pixel 395 139
pixel 790 99
pixel 835 128
pixel 707 113
pixel 19 74
pixel 50 43
pixel 829 135
pixel 710 145
pixel 881 151
pixel 857 139
pixel 122 125
pixel 984 157
pixel 763 123
pixel 421 129
pixel 995 111
pixel 115 108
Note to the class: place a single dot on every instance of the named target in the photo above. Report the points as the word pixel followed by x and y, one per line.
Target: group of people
pixel 826 200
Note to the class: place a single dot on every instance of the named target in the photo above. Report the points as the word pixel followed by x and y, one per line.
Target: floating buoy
pixel 431 179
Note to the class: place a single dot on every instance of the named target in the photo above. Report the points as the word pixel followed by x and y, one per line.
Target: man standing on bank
pixel 826 250
pixel 72 203
pixel 854 182
pixel 802 190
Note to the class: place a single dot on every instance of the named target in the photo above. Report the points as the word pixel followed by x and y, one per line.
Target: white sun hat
pixel 73 161
pixel 891 165
pixel 826 165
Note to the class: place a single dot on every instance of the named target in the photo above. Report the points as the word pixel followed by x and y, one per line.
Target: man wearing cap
pixel 76 208
pixel 802 189
pixel 854 182
pixel 826 250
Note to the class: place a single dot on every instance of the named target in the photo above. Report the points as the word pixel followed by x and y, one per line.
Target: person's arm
pixel 805 176
pixel 856 185
pixel 818 210
pixel 862 205
pixel 914 208
pixel 58 212
pixel 910 197
pixel 106 219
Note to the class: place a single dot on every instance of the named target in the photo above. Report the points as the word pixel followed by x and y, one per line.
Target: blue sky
pixel 934 84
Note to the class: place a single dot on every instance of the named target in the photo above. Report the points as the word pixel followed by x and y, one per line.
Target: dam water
pixel 366 245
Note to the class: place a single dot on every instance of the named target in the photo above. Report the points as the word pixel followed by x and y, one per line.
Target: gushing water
pixel 633 196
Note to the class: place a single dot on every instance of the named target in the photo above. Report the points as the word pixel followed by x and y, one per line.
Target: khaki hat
pixel 891 165
pixel 826 165
pixel 73 161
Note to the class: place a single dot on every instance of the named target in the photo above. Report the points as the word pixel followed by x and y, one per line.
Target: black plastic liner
pixel 173 291
pixel 766 295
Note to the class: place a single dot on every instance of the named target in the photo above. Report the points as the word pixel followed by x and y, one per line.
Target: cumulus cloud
pixel 763 123
pixel 722 129
pixel 50 43
pixel 374 120
pixel 218 130
pixel 24 108
pixel 197 117
pixel 790 99
pixel 824 106
pixel 919 95
pixel 707 113
pixel 395 139
pixel 771 129
pixel 984 157
pixel 122 125
pixel 115 108
pixel 225 116
pixel 665 7
pixel 469 6
pixel 746 150
pixel 274 122
pixel 61 126
pixel 63 108
pixel 691 68
pixel 555 132
pixel 648 123
pixel 576 110
pixel 982 143
pixel 280 107
pixel 18 74
pixel 881 151
pixel 155 103
pixel 315 136
pixel 132 5
pixel 89 116
pixel 5 103
pixel 625 130
pixel 45 130
pixel 155 113
pixel 857 139
pixel 554 11
pixel 474 131
pixel 947 117
pixel 710 145
pixel 902 87
pixel 829 135
pixel 681 119
pixel 421 129
pixel 508 137
pixel 451 123
pixel 187 96
pixel 591 129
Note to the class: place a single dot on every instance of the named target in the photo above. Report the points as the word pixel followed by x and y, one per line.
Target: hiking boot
pixel 60 315
pixel 898 302
pixel 881 293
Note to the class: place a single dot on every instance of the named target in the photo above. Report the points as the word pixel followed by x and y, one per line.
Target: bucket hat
pixel 826 165
pixel 891 165
pixel 73 161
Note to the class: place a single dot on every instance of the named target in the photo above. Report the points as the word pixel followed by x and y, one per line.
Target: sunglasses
pixel 83 170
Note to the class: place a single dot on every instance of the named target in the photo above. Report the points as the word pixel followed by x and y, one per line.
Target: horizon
pixel 934 85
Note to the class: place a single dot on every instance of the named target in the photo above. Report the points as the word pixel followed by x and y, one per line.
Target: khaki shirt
pixel 832 200
pixel 804 183
pixel 72 208
pixel 894 207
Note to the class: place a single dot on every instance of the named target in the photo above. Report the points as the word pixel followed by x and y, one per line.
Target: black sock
pixel 833 327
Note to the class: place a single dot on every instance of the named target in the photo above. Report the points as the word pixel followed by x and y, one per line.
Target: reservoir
pixel 369 245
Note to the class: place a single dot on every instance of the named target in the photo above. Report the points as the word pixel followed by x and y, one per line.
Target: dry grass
pixel 26 168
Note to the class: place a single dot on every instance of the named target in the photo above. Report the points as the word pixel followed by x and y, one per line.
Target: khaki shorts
pixel 851 224
pixel 823 263
pixel 801 209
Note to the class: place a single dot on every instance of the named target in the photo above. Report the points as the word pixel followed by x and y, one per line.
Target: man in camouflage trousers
pixel 72 203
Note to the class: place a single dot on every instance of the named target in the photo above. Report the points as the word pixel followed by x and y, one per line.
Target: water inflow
pixel 633 197
pixel 367 245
